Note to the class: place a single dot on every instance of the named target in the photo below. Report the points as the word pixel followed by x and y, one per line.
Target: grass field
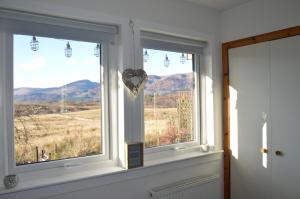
pixel 162 128
pixel 60 136
pixel 74 134
pixel 157 124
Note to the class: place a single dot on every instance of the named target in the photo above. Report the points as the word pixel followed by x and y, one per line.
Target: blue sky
pixel 48 67
pixel 155 64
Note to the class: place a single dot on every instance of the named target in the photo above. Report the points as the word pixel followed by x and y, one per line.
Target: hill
pixel 88 91
pixel 168 84
pixel 82 91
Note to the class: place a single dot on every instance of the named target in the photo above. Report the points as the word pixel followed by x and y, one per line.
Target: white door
pixel 249 113
pixel 285 120
pixel 265 112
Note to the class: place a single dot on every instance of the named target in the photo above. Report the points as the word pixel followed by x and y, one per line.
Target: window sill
pixel 179 157
pixel 62 175
pixel 82 177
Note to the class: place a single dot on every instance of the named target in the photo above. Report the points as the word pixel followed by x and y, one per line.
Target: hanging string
pixel 163 52
pixel 131 26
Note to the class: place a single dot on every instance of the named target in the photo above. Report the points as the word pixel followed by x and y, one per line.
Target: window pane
pixel 168 98
pixel 57 99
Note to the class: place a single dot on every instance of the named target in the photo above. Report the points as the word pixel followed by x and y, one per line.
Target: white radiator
pixel 205 187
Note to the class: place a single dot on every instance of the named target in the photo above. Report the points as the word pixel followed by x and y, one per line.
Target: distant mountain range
pixel 88 91
pixel 169 84
pixel 79 91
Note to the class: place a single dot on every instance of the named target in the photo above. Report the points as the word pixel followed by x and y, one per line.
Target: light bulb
pixel 34 44
pixel 97 50
pixel 167 61
pixel 146 56
pixel 68 50
pixel 182 58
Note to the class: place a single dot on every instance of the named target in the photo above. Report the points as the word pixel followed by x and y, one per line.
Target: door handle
pixel 278 153
pixel 264 150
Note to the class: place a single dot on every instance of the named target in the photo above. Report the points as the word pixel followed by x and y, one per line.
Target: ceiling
pixel 219 4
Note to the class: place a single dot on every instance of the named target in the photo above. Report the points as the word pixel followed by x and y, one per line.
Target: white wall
pixel 168 12
pixel 171 16
pixel 139 188
pixel 131 188
pixel 259 16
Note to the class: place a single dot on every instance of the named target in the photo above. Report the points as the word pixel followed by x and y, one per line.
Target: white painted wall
pixel 171 16
pixel 139 188
pixel 259 16
pixel 131 188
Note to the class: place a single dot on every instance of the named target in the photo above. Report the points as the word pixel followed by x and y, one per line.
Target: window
pixel 169 98
pixel 57 99
pixel 62 102
pixel 172 93
pixel 54 90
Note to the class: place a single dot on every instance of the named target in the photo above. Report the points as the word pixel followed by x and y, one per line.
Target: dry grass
pixel 161 127
pixel 76 134
pixel 61 136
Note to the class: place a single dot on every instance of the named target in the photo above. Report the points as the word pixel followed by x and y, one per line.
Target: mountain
pixel 169 84
pixel 79 91
pixel 88 91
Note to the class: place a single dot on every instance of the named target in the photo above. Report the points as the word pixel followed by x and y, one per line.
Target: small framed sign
pixel 135 155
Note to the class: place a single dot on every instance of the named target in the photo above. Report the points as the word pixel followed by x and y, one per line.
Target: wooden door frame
pixel 289 32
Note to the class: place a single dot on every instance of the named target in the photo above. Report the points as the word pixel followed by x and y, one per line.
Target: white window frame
pixel 6 100
pixel 158 41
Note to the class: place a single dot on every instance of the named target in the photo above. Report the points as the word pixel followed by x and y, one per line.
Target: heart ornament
pixel 134 80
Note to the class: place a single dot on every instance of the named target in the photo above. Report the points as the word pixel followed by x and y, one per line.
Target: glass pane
pixel 57 99
pixel 168 98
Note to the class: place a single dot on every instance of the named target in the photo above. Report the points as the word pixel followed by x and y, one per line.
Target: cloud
pixel 34 64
